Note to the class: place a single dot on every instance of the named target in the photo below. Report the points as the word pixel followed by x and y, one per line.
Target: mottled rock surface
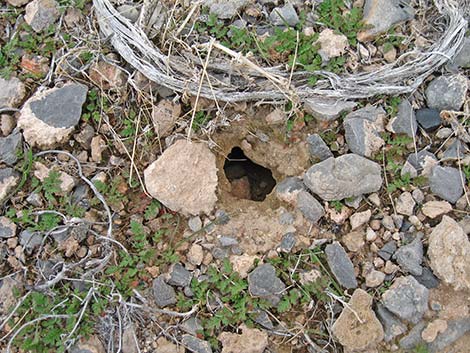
pixel 340 265
pixel 447 92
pixel 249 341
pixel 263 283
pixel 12 92
pixel 327 109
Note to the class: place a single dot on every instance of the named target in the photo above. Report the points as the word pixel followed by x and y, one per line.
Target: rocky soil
pixel 136 218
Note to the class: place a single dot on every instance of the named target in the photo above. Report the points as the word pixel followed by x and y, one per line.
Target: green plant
pixel 337 205
pixel 334 14
pixel 94 105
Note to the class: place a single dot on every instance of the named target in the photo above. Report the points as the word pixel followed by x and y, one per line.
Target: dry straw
pixel 184 72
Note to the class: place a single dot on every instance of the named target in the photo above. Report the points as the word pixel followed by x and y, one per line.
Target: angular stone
pixel 393 327
pixel 405 121
pixel 30 240
pixel 449 253
pixel 164 116
pixel 10 147
pixel 164 294
pixel 447 92
pixel 9 178
pixel 107 74
pixel 347 176
pixel 456 150
pixel 396 11
pixel 429 119
pixel 427 279
pixel 318 149
pixel 362 130
pixel 407 299
pixel 263 283
pixel 288 189
pixel 462 59
pixel 225 9
pixel 433 209
pixel 410 256
pixel 374 279
pixel 405 204
pixel 288 242
pixel 195 255
pixel 17 3
pixel 357 328
pixel 340 265
pixel 196 345
pixel 12 92
pixel 286 15
pixel 327 109
pixel 309 206
pixel 359 219
pixel 446 182
pixel 184 178
pixel 413 338
pixel 7 228
pixel 332 44
pixel 249 341
pixel 195 224
pixel 49 117
pixel 40 14
pixel 354 241
pixel 180 276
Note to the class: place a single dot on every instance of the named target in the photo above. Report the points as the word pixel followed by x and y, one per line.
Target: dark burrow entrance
pixel 248 180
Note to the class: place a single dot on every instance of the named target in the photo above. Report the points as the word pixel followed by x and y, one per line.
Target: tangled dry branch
pixel 249 82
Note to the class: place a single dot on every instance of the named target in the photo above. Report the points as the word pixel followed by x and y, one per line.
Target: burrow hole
pixel 249 180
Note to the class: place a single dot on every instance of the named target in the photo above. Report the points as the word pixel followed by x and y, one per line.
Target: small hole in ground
pixel 248 180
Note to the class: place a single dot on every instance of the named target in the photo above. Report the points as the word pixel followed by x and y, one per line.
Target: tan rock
pixel 449 253
pixel 433 209
pixel 374 279
pixel 184 178
pixel 12 92
pixel 92 345
pixel 98 146
pixel 17 3
pixel 354 241
pixel 332 44
pixel 242 263
pixel 195 254
pixel 359 218
pixel 164 116
pixel 405 204
pixel 40 14
pixel 430 333
pixel 106 74
pixel 277 116
pixel 357 328
pixel 250 341
pixel 240 188
pixel 165 346
pixel 309 277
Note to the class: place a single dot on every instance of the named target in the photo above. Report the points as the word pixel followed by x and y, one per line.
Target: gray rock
pixel 193 326
pixel 340 265
pixel 40 14
pixel 318 149
pixel 8 285
pixel 309 206
pixel 7 228
pixel 405 121
pixel 10 147
pixel 407 299
pixel 421 159
pixel 263 319
pixel 288 242
pixel 12 92
pixel 9 178
pixel 220 253
pixel 396 11
pixel 455 330
pixel 455 151
pixel 34 199
pixel 288 189
pixel 327 109
pixel 227 241
pixel 221 217
pixel 225 9
pixel 48 118
pixel 164 294
pixel 362 130
pixel 446 182
pixel 30 240
pixel 427 278
pixel 447 92
pixel 393 327
pixel 130 12
pixel 285 15
pixel 286 218
pixel 353 202
pixel 429 119
pixel 263 283
pixel 180 276
pixel 347 176
pixel 462 59
pixel 413 338
pixel 195 224
pixel 196 345
pixel 84 137
pixel 410 256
